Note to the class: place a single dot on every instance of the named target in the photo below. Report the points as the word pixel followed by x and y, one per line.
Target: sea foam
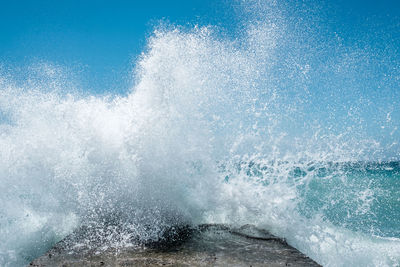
pixel 216 129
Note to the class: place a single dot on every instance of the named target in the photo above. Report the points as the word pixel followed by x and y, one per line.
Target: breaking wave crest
pixel 215 130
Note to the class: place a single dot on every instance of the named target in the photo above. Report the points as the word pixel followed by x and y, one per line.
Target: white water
pixel 159 156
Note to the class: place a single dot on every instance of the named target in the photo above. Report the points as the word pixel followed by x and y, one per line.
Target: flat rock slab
pixel 207 245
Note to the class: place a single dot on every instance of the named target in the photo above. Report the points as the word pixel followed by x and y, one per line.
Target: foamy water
pixel 215 130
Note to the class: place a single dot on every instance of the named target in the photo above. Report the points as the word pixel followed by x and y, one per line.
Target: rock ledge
pixel 205 245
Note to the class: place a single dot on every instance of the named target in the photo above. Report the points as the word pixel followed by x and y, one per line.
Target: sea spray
pixel 260 129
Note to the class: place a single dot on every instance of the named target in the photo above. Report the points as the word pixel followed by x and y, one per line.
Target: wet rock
pixel 205 245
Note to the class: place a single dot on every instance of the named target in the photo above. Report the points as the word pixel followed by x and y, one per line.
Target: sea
pixel 281 124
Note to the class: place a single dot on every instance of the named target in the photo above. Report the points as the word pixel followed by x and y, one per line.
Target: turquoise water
pixel 361 197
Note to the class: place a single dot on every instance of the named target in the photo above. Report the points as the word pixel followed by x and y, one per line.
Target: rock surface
pixel 206 245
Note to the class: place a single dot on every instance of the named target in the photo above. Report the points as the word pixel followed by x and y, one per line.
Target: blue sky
pixel 99 40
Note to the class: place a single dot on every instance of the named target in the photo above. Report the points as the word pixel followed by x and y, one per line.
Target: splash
pixel 259 129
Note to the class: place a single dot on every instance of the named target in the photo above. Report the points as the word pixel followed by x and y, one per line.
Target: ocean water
pixel 270 126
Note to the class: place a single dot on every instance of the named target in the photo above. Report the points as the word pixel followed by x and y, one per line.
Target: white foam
pixel 202 106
